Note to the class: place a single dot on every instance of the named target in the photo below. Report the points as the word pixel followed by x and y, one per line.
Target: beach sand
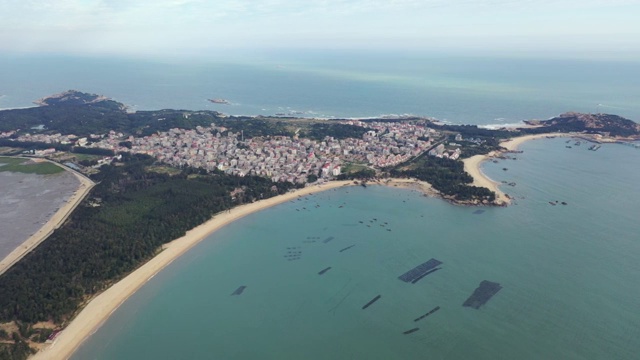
pixel 53 223
pixel 472 164
pixel 103 305
pixel 513 143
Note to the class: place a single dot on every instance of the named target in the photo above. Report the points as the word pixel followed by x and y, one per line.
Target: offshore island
pixel 184 174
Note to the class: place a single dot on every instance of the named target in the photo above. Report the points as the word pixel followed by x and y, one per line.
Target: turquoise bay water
pixel 459 89
pixel 569 274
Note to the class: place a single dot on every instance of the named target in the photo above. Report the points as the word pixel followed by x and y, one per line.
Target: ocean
pixel 462 89
pixel 569 274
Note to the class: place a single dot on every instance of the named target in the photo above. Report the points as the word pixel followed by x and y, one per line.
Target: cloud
pixel 130 26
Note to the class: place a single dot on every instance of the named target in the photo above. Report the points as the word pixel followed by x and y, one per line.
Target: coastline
pixel 53 223
pixel 472 165
pixel 513 143
pixel 98 310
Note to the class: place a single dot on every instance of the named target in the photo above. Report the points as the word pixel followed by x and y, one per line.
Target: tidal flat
pixel 27 202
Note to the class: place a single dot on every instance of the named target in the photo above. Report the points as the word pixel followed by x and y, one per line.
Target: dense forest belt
pixel 123 223
pixel 445 175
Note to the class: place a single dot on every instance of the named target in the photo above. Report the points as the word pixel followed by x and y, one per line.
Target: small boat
pixel 219 101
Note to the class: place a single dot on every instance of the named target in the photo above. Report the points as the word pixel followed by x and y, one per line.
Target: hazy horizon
pixel 182 29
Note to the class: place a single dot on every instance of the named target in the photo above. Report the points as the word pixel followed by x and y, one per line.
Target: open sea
pixel 569 273
pixel 463 90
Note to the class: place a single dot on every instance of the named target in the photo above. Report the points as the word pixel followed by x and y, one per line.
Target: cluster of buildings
pixel 6 134
pixel 280 158
pixel 50 138
pixel 441 151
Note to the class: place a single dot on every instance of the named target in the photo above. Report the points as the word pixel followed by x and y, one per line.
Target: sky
pixel 154 28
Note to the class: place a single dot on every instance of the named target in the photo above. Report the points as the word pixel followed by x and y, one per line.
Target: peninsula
pixel 176 174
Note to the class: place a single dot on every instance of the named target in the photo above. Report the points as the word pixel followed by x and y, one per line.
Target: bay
pixel 569 274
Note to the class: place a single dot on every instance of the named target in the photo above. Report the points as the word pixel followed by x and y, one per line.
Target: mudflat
pixel 27 202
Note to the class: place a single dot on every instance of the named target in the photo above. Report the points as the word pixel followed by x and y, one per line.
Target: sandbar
pixel 96 312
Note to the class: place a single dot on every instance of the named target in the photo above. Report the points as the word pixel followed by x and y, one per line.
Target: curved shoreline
pixel 473 164
pixel 98 310
pixel 53 223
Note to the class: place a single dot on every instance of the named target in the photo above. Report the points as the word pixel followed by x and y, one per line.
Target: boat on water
pixel 220 101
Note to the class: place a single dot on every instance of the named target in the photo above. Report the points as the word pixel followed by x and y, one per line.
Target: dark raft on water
pixel 371 302
pixel 423 275
pixel 420 271
pixel 239 290
pixel 328 239
pixel 347 248
pixel 411 331
pixel 482 294
pixel 427 314
pixel 324 270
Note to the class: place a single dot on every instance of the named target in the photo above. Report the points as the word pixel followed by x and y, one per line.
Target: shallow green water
pixel 569 274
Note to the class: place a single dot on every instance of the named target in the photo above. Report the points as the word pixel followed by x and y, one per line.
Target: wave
pixel 503 125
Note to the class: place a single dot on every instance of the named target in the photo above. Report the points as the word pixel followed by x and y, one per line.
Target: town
pixel 280 158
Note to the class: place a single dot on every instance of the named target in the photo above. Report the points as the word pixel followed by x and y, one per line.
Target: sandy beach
pixel 472 164
pixel 513 143
pixel 53 223
pixel 96 312
pixel 103 305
